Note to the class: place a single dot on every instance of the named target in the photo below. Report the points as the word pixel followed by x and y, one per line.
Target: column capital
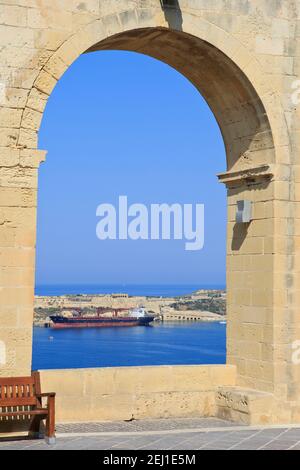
pixel 248 175
pixel 32 158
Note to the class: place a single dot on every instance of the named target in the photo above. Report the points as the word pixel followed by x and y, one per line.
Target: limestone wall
pixel 244 57
pixel 119 393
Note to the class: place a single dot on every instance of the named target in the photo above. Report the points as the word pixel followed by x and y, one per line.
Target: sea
pixel 161 344
pixel 156 290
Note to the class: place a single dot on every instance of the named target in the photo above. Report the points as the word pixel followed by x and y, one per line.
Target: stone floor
pixel 164 434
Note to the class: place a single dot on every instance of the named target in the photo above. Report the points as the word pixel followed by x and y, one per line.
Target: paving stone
pixel 183 434
pixel 146 425
pixel 297 447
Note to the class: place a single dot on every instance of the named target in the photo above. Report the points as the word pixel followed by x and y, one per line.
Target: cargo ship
pixel 135 317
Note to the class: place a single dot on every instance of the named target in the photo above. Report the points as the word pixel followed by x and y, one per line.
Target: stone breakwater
pixel 202 305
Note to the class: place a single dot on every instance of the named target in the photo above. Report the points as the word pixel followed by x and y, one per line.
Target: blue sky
pixel 121 123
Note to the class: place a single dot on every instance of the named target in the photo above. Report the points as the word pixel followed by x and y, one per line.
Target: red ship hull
pixel 92 325
pixel 60 322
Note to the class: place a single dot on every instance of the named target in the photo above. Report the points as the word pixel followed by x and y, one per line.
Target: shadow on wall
pixel 172 12
pixel 240 231
pixel 239 235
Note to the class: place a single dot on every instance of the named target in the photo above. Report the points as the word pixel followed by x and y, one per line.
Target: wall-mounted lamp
pixel 244 212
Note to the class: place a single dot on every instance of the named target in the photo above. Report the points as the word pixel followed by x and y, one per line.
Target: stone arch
pixel 233 83
pixel 242 56
pixel 236 85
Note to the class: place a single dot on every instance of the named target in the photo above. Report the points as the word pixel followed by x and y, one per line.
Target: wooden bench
pixel 22 397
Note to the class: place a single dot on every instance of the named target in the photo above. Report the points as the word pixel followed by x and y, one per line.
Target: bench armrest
pixel 49 394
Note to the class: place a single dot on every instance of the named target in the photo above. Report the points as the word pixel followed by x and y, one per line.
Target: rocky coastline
pixel 201 305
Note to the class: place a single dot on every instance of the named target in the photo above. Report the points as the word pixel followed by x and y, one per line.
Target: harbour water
pixel 162 344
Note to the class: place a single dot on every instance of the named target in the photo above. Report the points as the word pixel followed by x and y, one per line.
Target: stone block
pixel 15 97
pixel 245 406
pixel 37 100
pixel 28 138
pixel 13 15
pixel 10 117
pixel 31 119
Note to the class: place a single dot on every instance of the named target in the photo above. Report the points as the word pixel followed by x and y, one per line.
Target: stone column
pixel 250 266
pixel 18 206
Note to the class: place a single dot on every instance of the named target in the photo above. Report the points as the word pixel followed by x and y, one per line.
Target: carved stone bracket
pixel 249 175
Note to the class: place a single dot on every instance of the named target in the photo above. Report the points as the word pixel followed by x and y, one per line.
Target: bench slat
pixel 23 401
pixel 17 391
pixel 16 380
pixel 41 411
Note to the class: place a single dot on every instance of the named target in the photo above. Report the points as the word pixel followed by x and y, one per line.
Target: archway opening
pixel 168 150
pixel 249 151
